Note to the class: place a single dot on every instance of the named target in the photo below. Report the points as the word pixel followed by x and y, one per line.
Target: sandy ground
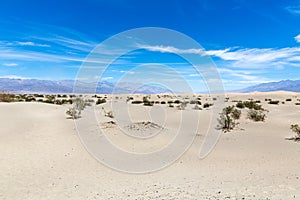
pixel 41 156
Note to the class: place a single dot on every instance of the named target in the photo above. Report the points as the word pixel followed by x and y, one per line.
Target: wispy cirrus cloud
pixel 242 57
pixel 293 9
pixel 10 64
pixel 29 43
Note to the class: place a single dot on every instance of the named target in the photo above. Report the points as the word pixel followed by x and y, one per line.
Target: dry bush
pixel 6 97
pixel 296 129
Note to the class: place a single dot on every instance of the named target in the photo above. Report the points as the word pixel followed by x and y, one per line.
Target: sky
pixel 249 41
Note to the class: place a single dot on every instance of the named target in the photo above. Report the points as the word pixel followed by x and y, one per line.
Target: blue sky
pixel 251 41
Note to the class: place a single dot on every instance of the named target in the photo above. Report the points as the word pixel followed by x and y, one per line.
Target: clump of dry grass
pixel 6 97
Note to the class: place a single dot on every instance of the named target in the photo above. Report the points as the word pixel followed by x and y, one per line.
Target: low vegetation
pixel 228 117
pixel 78 105
pixel 273 102
pixel 256 115
pixel 296 129
pixel 249 104
pixel 6 97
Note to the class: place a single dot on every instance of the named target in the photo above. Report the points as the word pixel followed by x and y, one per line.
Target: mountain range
pixel 23 86
pixel 105 87
pixel 284 85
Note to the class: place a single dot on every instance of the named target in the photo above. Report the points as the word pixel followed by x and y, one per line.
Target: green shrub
pixel 136 102
pixel 148 103
pixel 38 95
pixel 228 117
pixel 288 100
pixel 252 105
pixel 162 102
pixel 273 102
pixel 240 105
pixel 256 115
pixel 177 101
pixel 207 105
pixel 100 101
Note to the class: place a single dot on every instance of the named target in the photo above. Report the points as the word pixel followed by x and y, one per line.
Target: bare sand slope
pixel 41 157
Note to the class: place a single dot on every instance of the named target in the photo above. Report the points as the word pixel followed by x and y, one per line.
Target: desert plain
pixel 42 155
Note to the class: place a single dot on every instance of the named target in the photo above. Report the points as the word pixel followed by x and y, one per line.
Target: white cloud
pixel 170 49
pixel 293 9
pixel 32 44
pixel 10 64
pixel 243 57
pixel 297 38
pixel 14 77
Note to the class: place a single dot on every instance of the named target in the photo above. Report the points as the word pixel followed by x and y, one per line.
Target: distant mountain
pixel 66 86
pixel 285 85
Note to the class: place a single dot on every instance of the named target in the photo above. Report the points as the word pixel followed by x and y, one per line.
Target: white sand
pixel 41 157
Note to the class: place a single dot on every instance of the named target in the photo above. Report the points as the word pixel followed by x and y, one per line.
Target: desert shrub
pixel 156 102
pixel 136 102
pixel 162 102
pixel 148 103
pixel 49 101
pixel 236 114
pixel 193 102
pixel 207 105
pixel 145 99
pixel 240 105
pixel 100 101
pixel 197 107
pixel 228 117
pixel 182 105
pixel 109 114
pixel 169 102
pixel 296 129
pixel 288 100
pixel 252 105
pixel 38 95
pixel 65 101
pixel 256 115
pixel 177 101
pixel 297 104
pixel 5 97
pixel 58 102
pixel 29 98
pixel 171 106
pixel 214 99
pixel 72 112
pixel 273 102
pixel 78 104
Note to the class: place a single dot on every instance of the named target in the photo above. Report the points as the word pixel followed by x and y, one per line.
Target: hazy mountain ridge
pixel 284 85
pixel 66 86
pixel 105 87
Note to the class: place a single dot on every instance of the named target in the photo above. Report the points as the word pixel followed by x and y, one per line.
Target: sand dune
pixel 42 157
